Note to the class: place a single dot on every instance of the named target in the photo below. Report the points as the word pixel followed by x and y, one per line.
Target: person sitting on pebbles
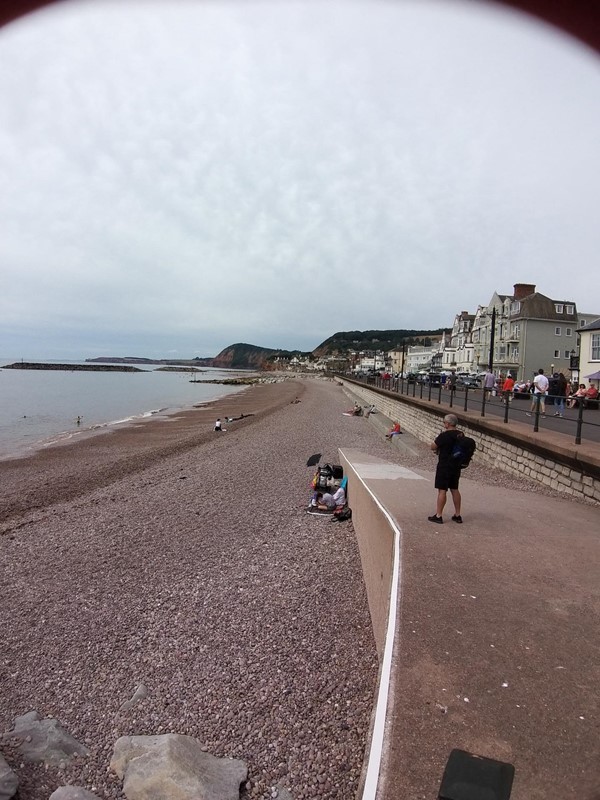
pixel 394 431
pixel 330 502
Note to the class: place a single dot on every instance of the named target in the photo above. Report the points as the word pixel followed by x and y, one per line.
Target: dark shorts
pixel 446 477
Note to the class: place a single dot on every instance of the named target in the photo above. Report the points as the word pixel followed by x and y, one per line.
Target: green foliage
pixel 343 341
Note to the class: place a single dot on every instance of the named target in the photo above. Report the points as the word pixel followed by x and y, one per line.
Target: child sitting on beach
pixel 325 501
pixel 394 431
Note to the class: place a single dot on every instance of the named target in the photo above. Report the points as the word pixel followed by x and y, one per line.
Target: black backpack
pixel 463 450
pixel 326 474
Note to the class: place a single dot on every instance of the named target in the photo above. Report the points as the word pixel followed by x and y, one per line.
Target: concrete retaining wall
pixel 376 545
pixel 566 467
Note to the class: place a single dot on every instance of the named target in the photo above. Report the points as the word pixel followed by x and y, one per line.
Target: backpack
pixel 327 475
pixel 463 450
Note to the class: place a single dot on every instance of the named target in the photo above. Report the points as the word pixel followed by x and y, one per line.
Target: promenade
pixel 496 639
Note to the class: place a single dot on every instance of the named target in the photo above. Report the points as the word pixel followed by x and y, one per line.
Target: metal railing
pixel 584 423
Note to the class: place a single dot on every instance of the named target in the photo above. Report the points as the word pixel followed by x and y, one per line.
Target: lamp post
pixel 492 339
pixel 574 365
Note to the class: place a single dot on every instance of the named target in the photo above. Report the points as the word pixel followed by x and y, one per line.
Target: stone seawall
pixel 557 463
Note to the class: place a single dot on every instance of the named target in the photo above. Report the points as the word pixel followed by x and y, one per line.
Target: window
pixel 595 346
pixel 557 354
pixel 516 331
pixel 515 307
pixel 567 354
pixel 559 308
pixel 581 323
pixel 568 331
pixel 570 309
pixel 557 331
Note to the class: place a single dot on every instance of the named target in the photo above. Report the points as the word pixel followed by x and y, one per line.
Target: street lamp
pixel 492 338
pixel 574 364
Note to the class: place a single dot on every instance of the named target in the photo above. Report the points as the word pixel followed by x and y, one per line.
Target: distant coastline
pixel 178 362
pixel 74 367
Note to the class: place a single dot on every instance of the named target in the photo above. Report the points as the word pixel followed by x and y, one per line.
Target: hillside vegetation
pixel 249 356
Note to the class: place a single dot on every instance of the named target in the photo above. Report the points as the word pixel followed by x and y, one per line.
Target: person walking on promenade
pixel 540 387
pixel 489 382
pixel 507 388
pixel 447 474
pixel 560 394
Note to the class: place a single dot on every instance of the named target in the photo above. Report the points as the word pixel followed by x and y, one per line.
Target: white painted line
pixel 377 738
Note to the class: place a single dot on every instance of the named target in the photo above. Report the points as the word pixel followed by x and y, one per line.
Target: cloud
pixel 276 172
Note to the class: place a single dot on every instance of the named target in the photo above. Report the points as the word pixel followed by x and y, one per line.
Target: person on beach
pixel 394 431
pixel 325 501
pixel 218 425
pixel 447 474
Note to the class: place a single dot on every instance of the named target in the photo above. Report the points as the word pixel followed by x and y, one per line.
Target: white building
pixel 589 353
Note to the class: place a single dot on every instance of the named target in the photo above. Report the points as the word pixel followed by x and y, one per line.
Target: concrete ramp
pixel 493 643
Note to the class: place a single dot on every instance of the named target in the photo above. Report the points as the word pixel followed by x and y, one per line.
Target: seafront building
pixel 588 363
pixel 518 333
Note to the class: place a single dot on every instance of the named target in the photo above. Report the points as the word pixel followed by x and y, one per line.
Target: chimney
pixel 522 290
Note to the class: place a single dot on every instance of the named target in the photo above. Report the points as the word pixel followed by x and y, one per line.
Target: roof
pixel 593 326
pixel 538 306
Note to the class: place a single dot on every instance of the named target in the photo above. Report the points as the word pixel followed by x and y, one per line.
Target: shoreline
pixel 13 447
pixel 62 470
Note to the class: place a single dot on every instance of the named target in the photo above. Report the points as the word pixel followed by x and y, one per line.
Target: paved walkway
pixel 497 643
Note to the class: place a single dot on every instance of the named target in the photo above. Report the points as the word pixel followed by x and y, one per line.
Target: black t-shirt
pixel 445 443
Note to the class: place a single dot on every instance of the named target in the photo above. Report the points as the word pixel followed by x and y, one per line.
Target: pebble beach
pixel 167 555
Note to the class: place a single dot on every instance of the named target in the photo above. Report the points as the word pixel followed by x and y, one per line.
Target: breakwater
pixel 73 367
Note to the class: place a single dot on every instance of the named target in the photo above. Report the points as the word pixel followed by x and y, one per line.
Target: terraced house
pixel 524 332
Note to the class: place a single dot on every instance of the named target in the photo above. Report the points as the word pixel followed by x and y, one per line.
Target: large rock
pixel 176 767
pixel 8 780
pixel 72 793
pixel 44 740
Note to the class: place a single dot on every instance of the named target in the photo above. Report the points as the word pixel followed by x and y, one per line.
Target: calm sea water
pixel 38 407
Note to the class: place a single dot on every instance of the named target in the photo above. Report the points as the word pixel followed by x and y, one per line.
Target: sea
pixel 42 407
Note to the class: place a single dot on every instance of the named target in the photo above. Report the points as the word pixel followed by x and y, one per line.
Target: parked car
pixel 468 382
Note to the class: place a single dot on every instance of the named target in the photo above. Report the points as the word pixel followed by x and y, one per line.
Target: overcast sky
pixel 179 176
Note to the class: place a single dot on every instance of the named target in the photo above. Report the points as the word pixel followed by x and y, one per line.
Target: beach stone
pixel 9 783
pixel 140 693
pixel 44 740
pixel 174 766
pixel 72 793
